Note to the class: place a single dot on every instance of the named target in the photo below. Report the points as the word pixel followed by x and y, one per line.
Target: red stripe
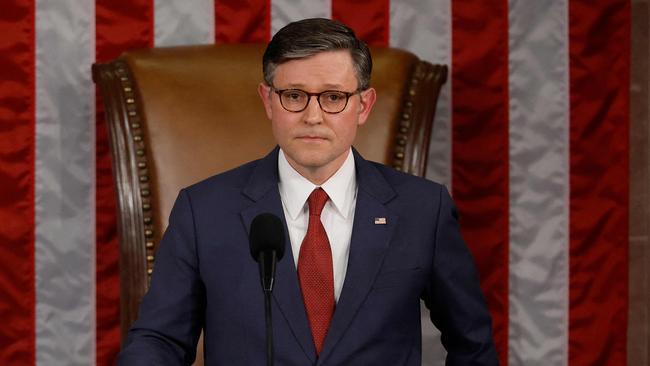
pixel 480 147
pixel 370 20
pixel 599 56
pixel 17 119
pixel 242 21
pixel 120 25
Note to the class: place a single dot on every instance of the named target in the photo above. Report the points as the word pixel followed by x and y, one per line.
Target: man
pixel 366 243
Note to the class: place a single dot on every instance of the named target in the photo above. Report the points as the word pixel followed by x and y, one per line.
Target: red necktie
pixel 315 271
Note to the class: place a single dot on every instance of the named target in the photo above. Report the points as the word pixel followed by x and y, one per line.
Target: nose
pixel 313 113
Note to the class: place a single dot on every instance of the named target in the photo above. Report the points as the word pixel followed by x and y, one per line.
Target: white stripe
pixel 424 28
pixel 284 12
pixel 539 176
pixel 183 22
pixel 64 185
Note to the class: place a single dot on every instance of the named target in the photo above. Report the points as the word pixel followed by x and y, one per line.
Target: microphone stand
pixel 267 273
pixel 269 328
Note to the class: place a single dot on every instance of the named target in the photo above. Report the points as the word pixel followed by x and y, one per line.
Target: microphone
pixel 267 246
pixel 266 240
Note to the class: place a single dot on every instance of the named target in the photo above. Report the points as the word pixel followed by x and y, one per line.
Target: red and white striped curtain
pixel 531 135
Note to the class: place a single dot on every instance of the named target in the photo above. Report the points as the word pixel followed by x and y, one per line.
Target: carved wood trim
pixel 414 128
pixel 130 174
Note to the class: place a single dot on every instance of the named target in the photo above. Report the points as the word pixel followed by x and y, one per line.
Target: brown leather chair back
pixel 178 115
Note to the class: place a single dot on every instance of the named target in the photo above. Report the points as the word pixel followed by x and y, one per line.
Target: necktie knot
pixel 316 201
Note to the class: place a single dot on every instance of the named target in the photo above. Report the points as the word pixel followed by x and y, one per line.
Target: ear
pixel 368 98
pixel 264 92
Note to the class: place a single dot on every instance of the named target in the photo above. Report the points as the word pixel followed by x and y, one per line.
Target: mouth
pixel 311 138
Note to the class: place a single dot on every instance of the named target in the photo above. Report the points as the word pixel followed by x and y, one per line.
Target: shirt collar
pixel 295 189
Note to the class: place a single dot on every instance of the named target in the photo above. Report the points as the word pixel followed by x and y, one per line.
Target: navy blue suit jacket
pixel 204 277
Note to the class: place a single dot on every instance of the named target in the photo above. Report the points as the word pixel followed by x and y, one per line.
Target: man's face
pixel 315 142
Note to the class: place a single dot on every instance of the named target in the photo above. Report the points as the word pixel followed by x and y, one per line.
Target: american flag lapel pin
pixel 380 221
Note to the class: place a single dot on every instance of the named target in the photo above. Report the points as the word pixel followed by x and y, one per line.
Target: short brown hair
pixel 308 37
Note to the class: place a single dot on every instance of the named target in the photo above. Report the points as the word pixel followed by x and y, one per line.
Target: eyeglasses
pixel 330 101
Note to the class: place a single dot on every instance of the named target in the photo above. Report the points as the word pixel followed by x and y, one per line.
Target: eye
pixel 293 95
pixel 334 97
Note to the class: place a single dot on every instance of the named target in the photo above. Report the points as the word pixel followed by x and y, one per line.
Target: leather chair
pixel 181 114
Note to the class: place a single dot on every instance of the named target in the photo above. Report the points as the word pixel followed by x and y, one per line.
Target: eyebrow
pixel 327 86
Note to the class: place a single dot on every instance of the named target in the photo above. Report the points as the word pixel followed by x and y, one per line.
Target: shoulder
pixel 408 184
pixel 226 185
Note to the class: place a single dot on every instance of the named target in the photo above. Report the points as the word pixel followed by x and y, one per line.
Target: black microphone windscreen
pixel 267 234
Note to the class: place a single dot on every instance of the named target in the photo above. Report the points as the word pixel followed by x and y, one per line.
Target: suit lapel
pixel 262 188
pixel 368 246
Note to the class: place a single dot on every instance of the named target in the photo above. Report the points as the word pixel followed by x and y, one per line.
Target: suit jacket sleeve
pixel 170 318
pixel 454 296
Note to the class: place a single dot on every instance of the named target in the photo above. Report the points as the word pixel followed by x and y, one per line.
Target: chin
pixel 312 158
pixel 312 162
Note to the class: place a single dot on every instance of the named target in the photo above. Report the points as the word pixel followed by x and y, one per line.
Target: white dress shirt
pixel 337 215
